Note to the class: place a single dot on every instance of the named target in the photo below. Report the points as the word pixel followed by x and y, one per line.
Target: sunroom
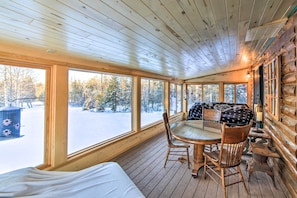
pixel 86 82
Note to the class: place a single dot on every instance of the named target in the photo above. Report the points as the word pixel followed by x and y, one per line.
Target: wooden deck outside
pixel 144 165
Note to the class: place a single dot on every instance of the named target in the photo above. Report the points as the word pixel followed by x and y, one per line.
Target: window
pixel 22 114
pixel 241 93
pixel 175 98
pixel 229 90
pixel 152 100
pixel 211 93
pixel 235 93
pixel 179 98
pixel 99 108
pixel 194 94
pixel 202 93
pixel 272 92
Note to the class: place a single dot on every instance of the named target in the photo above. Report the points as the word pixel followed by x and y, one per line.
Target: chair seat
pixel 176 142
pixel 214 157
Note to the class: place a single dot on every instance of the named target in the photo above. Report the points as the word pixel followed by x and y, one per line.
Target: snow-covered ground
pixel 88 128
pixel 85 129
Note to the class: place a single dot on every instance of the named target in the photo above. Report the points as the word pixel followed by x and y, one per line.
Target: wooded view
pixel 19 86
pixel 104 91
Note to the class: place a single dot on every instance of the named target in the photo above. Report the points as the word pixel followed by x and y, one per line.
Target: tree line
pixel 114 92
pixel 21 86
pixel 100 92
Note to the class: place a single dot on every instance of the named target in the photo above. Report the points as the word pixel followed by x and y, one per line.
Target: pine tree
pixel 112 93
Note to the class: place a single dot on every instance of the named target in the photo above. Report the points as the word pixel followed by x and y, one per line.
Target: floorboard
pixel 144 165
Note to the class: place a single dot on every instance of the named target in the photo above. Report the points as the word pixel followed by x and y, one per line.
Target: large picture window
pixel 241 93
pixel 152 100
pixel 235 93
pixel 202 93
pixel 272 92
pixel 194 94
pixel 99 108
pixel 229 93
pixel 211 93
pixel 175 98
pixel 22 111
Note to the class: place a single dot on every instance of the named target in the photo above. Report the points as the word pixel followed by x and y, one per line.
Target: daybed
pixel 232 114
pixel 103 180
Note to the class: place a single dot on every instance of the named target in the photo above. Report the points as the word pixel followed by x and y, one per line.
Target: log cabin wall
pixel 283 128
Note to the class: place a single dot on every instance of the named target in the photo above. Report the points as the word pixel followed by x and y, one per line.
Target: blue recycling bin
pixel 10 118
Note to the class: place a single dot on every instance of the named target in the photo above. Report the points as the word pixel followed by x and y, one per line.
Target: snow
pixel 85 128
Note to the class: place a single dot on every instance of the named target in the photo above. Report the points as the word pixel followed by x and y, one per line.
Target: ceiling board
pixel 182 39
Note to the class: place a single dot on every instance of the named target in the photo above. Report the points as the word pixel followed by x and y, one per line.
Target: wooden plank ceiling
pixel 178 38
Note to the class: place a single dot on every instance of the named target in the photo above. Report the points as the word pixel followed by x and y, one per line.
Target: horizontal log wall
pixel 284 130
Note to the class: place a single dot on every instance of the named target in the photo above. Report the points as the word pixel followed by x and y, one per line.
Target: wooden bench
pixel 261 150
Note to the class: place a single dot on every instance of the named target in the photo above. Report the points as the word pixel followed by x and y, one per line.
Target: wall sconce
pixel 248 74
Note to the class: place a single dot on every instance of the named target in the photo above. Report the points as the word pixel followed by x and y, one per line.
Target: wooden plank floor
pixel 144 165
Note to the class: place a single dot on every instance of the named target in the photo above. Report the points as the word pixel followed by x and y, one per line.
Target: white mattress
pixel 103 180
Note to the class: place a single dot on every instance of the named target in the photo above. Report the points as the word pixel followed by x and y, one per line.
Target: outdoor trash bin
pixel 10 118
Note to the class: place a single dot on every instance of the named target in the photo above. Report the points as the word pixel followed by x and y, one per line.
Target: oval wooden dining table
pixel 191 131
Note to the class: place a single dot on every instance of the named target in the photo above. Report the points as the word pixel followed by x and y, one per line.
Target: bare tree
pixel 17 84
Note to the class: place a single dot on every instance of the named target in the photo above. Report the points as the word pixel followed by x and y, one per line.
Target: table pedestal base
pixel 197 159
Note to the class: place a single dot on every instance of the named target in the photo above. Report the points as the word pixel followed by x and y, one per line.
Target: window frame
pixel 176 110
pixel 47 140
pixel 272 87
pixel 202 96
pixel 146 125
pixel 110 139
pixel 189 93
pixel 235 91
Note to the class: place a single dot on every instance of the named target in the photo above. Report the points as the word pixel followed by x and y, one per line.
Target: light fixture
pixel 249 72
pixel 248 75
pixel 245 58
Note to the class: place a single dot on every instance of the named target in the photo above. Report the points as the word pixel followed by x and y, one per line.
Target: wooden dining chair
pixel 211 120
pixel 228 158
pixel 175 147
